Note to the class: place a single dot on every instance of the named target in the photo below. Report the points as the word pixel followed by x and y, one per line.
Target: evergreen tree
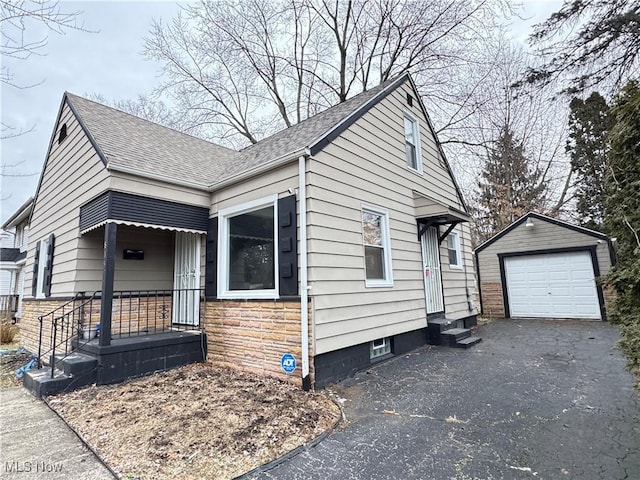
pixel 623 219
pixel 589 125
pixel 510 186
pixel 588 42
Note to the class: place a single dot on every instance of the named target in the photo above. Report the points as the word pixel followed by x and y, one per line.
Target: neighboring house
pixel 12 261
pixel 543 267
pixel 335 240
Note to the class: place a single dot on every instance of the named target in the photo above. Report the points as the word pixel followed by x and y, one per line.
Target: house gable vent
pixel 409 100
pixel 63 133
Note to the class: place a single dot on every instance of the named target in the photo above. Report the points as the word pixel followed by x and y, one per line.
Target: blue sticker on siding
pixel 288 363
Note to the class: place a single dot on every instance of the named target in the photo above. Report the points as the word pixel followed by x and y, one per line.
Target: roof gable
pixel 133 145
pixel 539 216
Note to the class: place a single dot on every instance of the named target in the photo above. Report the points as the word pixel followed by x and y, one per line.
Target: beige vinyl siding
pixel 460 285
pixel 73 175
pixel 147 187
pixel 543 236
pixel 155 272
pixel 367 165
pixel 268 183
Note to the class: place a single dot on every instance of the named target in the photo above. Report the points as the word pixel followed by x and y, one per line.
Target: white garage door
pixel 559 285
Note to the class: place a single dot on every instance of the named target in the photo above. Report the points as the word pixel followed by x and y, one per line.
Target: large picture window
pixel 248 237
pixel 377 254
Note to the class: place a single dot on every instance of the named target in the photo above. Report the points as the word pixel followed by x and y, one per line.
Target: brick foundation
pixel 252 336
pixel 492 301
pixel 29 325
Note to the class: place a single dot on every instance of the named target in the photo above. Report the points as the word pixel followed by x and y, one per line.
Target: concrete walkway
pixel 35 443
pixel 537 399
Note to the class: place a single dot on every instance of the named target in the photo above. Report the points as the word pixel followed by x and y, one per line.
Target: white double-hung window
pixel 247 253
pixel 453 248
pixel 412 142
pixel 377 247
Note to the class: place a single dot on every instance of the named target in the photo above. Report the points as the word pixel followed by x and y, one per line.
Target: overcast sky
pixel 108 62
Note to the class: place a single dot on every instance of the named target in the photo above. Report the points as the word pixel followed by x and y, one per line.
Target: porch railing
pixel 68 321
pixel 9 304
pixel 144 312
pixel 133 313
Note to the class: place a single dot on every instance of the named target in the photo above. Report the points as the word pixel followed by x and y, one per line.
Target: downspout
pixel 304 293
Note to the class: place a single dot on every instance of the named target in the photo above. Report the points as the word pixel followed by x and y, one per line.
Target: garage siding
pixel 544 235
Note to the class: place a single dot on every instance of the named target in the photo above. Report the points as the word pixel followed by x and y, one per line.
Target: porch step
pixel 76 363
pixel 453 335
pixel 70 373
pixel 436 326
pixel 467 342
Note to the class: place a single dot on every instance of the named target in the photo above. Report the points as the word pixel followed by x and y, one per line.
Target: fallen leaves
pixel 196 422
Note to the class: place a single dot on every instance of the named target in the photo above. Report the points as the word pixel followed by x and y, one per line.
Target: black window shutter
pixel 34 280
pixel 48 266
pixel 211 267
pixel 288 246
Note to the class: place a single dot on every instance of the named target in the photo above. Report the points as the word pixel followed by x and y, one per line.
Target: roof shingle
pixel 136 144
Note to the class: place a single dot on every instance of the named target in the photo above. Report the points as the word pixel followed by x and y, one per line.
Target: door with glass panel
pixel 186 285
pixel 431 271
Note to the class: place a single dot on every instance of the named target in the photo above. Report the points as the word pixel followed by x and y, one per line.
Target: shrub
pixel 8 332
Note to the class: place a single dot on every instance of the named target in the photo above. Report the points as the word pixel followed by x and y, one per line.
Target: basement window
pixel 380 347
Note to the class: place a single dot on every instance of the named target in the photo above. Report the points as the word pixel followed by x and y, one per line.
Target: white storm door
pixel 431 271
pixel 186 284
pixel 558 285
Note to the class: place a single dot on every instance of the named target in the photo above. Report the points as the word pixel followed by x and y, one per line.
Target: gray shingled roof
pixel 133 143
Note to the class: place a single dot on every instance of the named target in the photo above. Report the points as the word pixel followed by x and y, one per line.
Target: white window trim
pixel 42 263
pixel 386 239
pixel 223 248
pixel 458 248
pixel 416 132
pixel 382 350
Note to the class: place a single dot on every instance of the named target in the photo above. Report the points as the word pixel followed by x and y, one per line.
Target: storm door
pixel 186 285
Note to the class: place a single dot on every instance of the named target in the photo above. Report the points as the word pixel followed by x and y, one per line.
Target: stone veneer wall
pixel 29 325
pixel 253 335
pixel 130 315
pixel 492 301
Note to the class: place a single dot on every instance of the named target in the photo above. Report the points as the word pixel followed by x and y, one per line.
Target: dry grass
pixel 195 422
pixel 8 332
pixel 8 365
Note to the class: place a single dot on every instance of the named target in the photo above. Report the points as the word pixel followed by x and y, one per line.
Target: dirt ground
pixel 195 422
pixel 8 365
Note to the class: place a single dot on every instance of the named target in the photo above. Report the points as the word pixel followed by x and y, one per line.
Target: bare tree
pixel 246 69
pixel 533 125
pixel 18 20
pixel 148 108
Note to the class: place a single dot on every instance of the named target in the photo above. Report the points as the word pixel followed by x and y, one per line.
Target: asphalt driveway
pixel 540 399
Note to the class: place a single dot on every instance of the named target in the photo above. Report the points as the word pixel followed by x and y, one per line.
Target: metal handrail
pixel 134 313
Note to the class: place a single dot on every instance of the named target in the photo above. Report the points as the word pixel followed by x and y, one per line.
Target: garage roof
pixel 539 216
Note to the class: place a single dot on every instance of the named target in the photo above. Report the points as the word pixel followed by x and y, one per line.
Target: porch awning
pixel 136 210
pixel 430 210
pixel 144 225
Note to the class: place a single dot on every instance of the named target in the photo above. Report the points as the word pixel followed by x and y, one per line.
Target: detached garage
pixel 540 267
